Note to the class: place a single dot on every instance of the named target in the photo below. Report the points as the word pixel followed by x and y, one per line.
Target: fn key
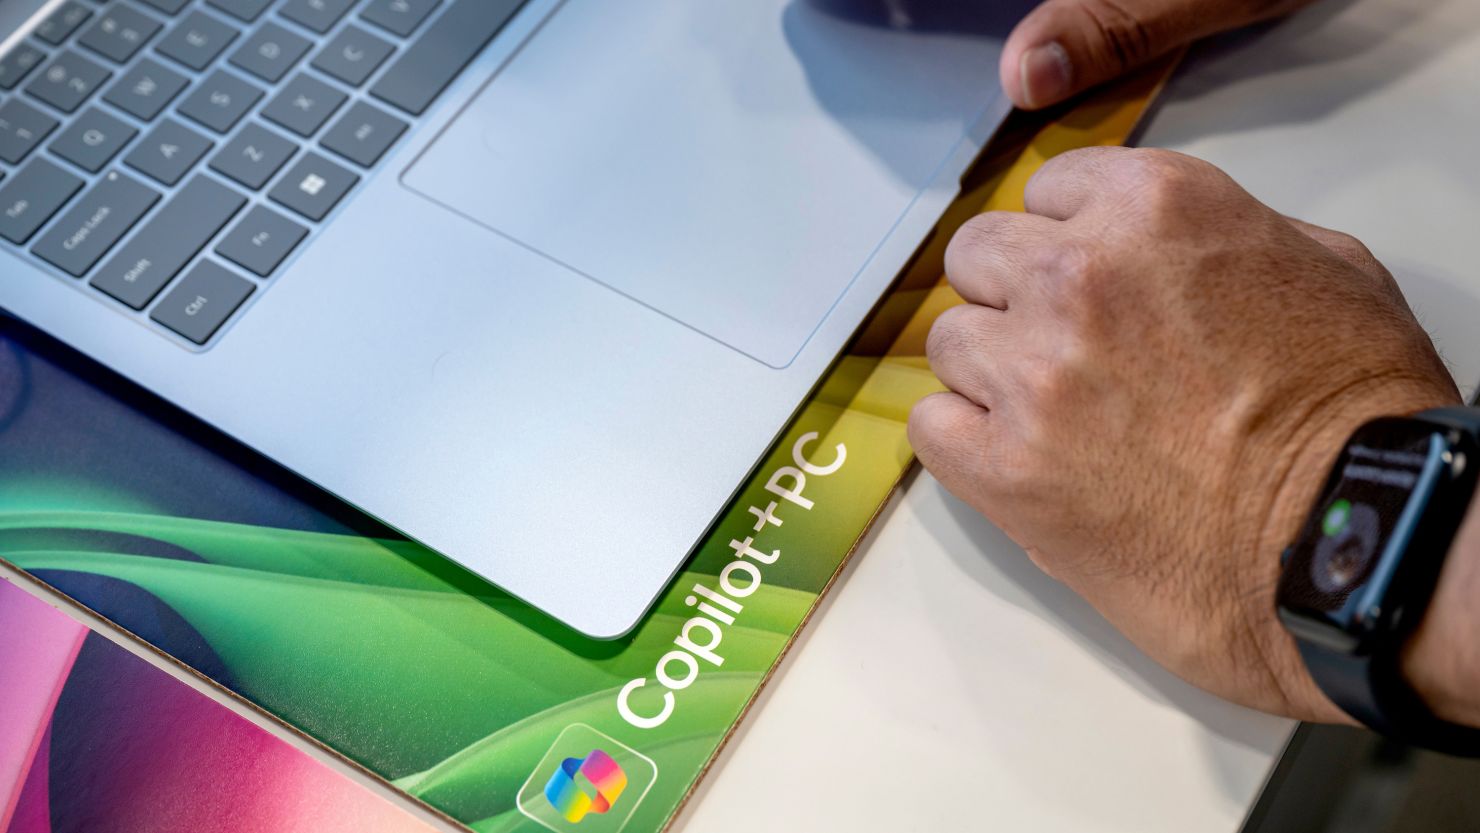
pixel 198 305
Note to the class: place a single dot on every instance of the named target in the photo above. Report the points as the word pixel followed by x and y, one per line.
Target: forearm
pixel 1442 659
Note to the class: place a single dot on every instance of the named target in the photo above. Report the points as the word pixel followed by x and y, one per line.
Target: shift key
pixel 91 227
pixel 151 258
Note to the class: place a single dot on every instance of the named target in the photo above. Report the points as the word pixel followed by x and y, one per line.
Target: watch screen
pixel 1341 550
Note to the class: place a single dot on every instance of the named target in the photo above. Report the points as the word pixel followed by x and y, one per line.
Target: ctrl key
pixel 202 301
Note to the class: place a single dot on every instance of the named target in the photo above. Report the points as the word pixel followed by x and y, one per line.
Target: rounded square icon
pixel 587 781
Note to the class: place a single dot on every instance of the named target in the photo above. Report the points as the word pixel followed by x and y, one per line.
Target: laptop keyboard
pixel 171 155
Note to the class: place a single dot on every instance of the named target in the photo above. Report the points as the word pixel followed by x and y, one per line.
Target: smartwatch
pixel 1359 577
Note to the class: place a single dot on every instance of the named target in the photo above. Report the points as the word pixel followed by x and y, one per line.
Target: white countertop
pixel 946 684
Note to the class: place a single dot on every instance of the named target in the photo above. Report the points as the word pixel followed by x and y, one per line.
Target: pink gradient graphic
pixel 128 748
pixel 32 814
pixel 37 648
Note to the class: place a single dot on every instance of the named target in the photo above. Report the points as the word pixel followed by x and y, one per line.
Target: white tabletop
pixel 946 684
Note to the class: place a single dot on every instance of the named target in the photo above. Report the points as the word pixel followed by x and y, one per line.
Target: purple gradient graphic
pixel 38 646
pixel 93 737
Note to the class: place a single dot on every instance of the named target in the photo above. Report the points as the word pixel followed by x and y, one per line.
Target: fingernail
pixel 1046 75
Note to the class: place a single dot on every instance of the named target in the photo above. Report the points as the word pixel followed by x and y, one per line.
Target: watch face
pixel 1343 563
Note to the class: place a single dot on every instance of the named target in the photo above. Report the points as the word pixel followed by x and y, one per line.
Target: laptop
pixel 535 282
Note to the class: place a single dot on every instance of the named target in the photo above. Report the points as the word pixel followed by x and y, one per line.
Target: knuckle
pixel 1072 164
pixel 1071 261
pixel 934 427
pixel 1157 160
pixel 1052 380
pixel 1076 272
pixel 951 439
pixel 938 341
pixel 981 229
pixel 950 334
pixel 1056 387
pixel 971 244
pixel 1165 175
pixel 1353 248
pixel 1166 190
pixel 954 443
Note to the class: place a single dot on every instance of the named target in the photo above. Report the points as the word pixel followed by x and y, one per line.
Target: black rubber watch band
pixel 1373 691
pixel 1464 419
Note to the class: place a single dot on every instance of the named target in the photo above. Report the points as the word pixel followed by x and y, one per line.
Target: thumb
pixel 1066 46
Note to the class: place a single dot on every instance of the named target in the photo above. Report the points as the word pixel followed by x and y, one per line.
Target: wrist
pixel 1441 660
pixel 1311 446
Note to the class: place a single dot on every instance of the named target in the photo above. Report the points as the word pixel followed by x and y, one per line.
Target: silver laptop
pixel 534 282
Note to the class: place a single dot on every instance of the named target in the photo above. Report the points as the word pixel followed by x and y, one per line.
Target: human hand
pixel 1064 47
pixel 1151 378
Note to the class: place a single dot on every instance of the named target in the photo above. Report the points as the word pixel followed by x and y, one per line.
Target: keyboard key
pixel 248 10
pixel 62 23
pixel 93 140
pixel 261 241
pixel 168 152
pixel 22 128
pixel 318 15
pixel 90 227
pixel 364 134
pixel 198 306
pixel 170 7
pixel 304 105
pixel 313 187
pixel 67 81
pixel 254 156
pixel 270 52
pixel 120 32
pixel 154 256
pixel 353 55
pixel 399 17
pixel 220 101
pixel 430 64
pixel 18 63
pixel 32 196
pixel 197 40
pixel 146 90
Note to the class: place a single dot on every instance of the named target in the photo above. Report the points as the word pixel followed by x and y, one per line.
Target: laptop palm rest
pixel 731 164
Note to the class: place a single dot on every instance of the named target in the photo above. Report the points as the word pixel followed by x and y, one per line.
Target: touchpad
pixel 732 164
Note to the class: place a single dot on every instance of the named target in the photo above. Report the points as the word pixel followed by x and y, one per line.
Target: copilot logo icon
pixel 587 782
pixel 586 785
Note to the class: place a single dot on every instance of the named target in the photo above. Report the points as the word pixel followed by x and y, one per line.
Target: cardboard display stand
pixel 480 707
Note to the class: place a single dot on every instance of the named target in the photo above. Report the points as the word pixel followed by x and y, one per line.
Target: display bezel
pixel 1376 608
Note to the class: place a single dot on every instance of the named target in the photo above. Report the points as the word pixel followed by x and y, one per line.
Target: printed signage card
pixel 394 658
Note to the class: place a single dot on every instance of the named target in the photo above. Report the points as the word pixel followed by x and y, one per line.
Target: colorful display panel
pixel 93 737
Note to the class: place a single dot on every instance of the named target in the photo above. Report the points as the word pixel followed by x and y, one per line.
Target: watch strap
pixel 1372 690
pixel 1464 419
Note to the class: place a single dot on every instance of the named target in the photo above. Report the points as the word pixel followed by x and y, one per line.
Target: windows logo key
pixel 588 781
